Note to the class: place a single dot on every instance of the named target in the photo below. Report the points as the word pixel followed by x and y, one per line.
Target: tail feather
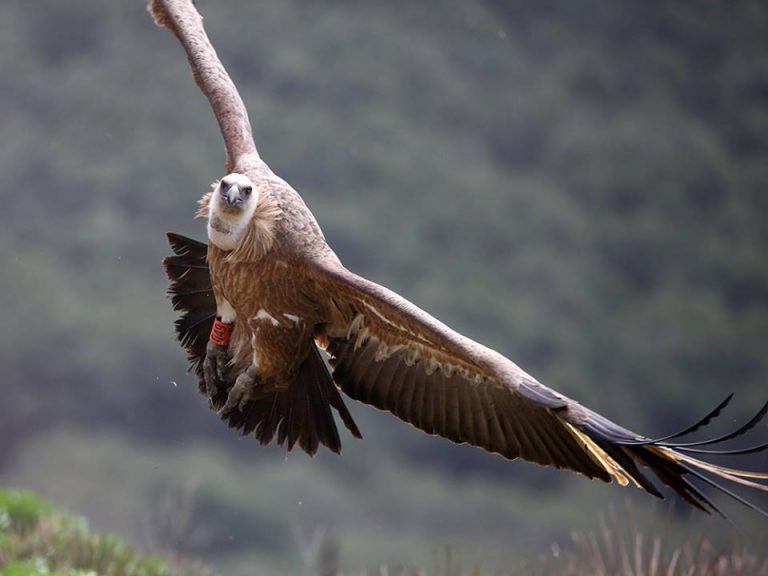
pixel 299 415
pixel 335 400
pixel 321 409
pixel 307 436
pixel 285 426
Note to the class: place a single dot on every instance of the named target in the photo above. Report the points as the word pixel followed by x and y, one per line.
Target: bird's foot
pixel 244 390
pixel 216 369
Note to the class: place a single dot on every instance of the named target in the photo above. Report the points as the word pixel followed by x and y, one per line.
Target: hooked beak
pixel 233 197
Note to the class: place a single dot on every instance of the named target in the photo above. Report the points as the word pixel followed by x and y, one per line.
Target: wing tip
pixel 673 465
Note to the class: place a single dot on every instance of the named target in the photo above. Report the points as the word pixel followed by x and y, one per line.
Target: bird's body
pixel 273 308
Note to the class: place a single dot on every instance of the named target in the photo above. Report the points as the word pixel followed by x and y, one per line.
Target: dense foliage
pixel 581 186
pixel 36 540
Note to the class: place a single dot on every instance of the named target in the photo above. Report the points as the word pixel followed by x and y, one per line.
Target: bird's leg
pixel 216 363
pixel 215 369
pixel 244 390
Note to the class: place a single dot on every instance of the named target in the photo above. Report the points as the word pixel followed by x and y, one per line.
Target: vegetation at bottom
pixel 606 554
pixel 616 548
pixel 578 185
pixel 38 540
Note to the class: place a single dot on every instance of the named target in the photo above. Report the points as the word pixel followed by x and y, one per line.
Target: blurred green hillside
pixel 581 186
pixel 36 539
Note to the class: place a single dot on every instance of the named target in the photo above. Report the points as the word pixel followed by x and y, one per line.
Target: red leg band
pixel 221 332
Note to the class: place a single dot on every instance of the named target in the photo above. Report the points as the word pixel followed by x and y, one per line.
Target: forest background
pixel 581 186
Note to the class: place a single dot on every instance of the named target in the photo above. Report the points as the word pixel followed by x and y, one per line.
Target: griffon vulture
pixel 267 297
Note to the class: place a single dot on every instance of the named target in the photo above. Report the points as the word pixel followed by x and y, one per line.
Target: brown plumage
pixel 269 270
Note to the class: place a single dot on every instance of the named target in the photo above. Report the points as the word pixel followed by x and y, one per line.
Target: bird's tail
pixel 679 465
pixel 299 415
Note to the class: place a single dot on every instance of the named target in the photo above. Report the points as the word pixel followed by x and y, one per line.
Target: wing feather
pixel 427 413
pixel 439 412
pixel 452 427
pixel 480 416
pixel 388 353
pixel 496 431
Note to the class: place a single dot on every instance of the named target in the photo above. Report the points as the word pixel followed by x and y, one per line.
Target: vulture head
pixel 235 196
pixel 231 206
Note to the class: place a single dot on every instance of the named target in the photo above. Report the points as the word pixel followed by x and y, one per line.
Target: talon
pixel 214 367
pixel 222 371
pixel 240 394
pixel 209 376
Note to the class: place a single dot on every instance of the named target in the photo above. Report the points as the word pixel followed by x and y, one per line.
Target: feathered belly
pixel 275 319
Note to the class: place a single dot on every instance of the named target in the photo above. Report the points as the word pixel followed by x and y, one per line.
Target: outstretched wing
pixel 387 352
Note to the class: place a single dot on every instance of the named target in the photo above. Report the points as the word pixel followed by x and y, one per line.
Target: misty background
pixel 580 186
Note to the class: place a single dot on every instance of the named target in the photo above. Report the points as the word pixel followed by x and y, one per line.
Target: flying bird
pixel 267 295
pixel 266 301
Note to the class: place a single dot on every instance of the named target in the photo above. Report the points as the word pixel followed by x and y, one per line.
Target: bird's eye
pixel 247 190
